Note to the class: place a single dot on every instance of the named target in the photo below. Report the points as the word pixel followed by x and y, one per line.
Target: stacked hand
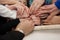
pixel 52 9
pixel 31 16
pixel 36 5
pixel 33 13
pixel 26 26
pixel 37 9
pixel 22 10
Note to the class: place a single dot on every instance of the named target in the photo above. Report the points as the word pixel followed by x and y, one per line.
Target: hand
pixel 26 25
pixel 35 19
pixel 19 7
pixel 36 5
pixel 54 20
pixel 22 10
pixel 48 8
pixel 25 13
pixel 51 15
pixel 52 9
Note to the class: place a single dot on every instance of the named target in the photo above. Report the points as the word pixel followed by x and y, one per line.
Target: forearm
pixel 14 35
pixel 8 1
pixel 57 3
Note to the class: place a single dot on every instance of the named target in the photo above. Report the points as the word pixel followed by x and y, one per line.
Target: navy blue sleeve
pixel 13 35
pixel 8 26
pixel 57 3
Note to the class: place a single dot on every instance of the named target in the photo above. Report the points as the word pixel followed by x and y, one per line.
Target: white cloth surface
pixel 44 35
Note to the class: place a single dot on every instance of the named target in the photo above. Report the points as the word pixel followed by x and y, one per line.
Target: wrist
pixel 19 30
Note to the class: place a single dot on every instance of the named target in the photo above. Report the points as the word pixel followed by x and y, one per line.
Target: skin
pixel 26 28
pixel 8 1
pixel 36 9
pixel 23 24
pixel 22 10
pixel 23 1
pixel 54 20
pixel 35 6
pixel 52 9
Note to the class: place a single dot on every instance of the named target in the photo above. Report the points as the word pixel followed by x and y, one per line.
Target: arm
pixel 14 35
pixel 20 29
pixel 8 26
pixel 8 1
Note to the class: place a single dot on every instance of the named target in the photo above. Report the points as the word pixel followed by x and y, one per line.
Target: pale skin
pixel 8 1
pixel 35 9
pixel 15 4
pixel 22 10
pixel 36 5
pixel 27 29
pixel 54 20
pixel 52 9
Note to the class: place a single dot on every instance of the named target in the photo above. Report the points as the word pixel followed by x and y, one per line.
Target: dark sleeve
pixel 14 35
pixel 7 26
pixel 57 3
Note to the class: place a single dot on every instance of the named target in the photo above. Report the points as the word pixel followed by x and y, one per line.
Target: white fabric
pixel 6 12
pixel 44 35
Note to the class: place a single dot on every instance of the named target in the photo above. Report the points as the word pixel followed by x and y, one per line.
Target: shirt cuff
pixel 20 30
pixel 13 35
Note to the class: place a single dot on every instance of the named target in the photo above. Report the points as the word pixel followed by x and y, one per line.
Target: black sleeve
pixel 14 35
pixel 7 26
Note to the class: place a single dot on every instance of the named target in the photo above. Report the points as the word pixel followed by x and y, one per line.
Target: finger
pixel 33 6
pixel 51 16
pixel 46 23
pixel 26 9
pixel 38 5
pixel 47 11
pixel 46 7
pixel 26 12
pixel 31 9
pixel 44 11
pixel 20 10
pixel 36 8
pixel 12 7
